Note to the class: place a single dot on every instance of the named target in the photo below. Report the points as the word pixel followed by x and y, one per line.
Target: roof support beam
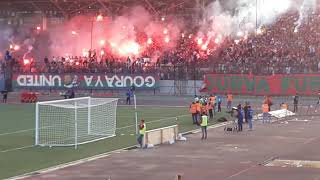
pixel 176 5
pixel 35 6
pixel 104 6
pixel 59 7
pixel 84 7
pixel 150 5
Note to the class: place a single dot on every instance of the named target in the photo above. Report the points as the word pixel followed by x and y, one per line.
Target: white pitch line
pixel 298 120
pixel 16 149
pixel 16 132
pixel 21 131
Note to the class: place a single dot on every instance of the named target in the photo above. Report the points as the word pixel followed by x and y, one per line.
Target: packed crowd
pixel 277 49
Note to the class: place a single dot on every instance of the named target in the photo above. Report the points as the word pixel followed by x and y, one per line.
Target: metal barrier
pixel 308 110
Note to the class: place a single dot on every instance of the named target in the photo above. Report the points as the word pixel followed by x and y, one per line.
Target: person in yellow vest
pixel 210 110
pixel 193 111
pixel 204 124
pixel 265 111
pixel 229 102
pixel 142 132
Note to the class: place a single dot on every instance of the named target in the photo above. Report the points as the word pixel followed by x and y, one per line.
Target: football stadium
pixel 160 89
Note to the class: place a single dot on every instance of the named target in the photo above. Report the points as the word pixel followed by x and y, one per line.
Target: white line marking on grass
pixel 16 149
pixel 16 132
pixel 21 131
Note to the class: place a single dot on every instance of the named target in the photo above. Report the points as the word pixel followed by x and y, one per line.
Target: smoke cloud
pixel 125 35
pixel 307 7
pixel 236 18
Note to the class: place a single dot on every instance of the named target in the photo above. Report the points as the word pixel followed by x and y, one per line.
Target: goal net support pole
pixel 89 116
pixel 76 125
pixel 135 112
pixel 37 125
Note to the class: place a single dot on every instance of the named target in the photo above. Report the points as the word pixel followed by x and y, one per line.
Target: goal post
pixel 72 122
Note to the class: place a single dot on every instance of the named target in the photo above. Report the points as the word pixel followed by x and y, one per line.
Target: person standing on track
pixel 245 109
pixel 229 102
pixel 219 103
pixel 268 101
pixel 250 117
pixel 240 117
pixel 212 100
pixel 210 110
pixel 198 108
pixel 265 111
pixel 193 111
pixel 142 132
pixel 295 103
pixel 204 124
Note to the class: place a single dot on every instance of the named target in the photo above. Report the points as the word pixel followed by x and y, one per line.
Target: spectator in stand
pixel 278 48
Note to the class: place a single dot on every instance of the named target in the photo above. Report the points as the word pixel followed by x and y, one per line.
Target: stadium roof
pixel 68 8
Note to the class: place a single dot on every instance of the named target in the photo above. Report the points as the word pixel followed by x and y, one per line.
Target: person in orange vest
pixel 265 115
pixel 193 111
pixel 284 106
pixel 268 101
pixel 212 100
pixel 229 102
pixel 198 107
pixel 210 110
pixel 204 108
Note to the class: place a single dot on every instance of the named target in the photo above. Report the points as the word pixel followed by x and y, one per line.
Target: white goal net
pixel 76 121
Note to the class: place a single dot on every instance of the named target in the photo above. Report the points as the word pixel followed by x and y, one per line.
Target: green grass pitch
pixel 19 156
